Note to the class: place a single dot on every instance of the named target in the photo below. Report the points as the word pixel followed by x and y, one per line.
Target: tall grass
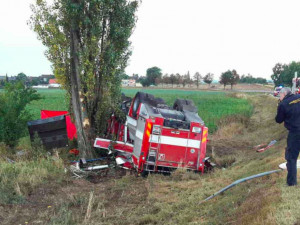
pixel 19 178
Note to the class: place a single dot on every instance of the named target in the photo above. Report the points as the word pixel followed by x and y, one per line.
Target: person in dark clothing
pixel 289 112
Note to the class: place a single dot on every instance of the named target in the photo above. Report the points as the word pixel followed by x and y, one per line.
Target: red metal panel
pixel 171 153
pixel 192 154
pixel 174 133
pixel 119 146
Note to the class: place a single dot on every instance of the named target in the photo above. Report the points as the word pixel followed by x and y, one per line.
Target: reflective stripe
pixel 139 134
pixel 131 121
pixel 183 142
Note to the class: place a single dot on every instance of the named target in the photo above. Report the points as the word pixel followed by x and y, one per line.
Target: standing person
pixel 289 112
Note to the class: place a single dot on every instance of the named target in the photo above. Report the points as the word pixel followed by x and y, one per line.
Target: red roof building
pixel 53 81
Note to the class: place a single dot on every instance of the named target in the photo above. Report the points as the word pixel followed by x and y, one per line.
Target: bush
pixel 13 113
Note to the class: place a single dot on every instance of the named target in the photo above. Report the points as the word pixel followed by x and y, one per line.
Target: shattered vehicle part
pixel 51 131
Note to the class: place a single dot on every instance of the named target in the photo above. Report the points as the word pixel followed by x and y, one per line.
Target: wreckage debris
pixel 264 147
pixel 51 131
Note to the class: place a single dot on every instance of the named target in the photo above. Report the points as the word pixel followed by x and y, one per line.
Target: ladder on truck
pixel 152 156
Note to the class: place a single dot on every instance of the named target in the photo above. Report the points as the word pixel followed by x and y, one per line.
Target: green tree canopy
pixel 152 74
pixel 21 77
pixel 88 45
pixel 229 77
pixel 13 113
pixel 284 74
pixel 208 78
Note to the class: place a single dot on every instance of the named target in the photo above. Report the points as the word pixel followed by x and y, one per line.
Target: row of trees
pixel 249 79
pixel 23 78
pixel 283 74
pixel 154 76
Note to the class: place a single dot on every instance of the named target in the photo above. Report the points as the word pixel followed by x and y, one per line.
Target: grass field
pixel 212 106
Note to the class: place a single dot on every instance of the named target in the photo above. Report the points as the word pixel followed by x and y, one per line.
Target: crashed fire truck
pixel 155 137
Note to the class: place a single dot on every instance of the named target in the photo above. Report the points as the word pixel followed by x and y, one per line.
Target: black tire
pixel 184 105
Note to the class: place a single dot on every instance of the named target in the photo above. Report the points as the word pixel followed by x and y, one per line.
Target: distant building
pixel 128 83
pixel 46 77
pixel 12 78
pixel 2 77
pixel 53 81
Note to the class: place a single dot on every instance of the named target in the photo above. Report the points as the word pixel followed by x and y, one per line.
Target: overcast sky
pixel 177 36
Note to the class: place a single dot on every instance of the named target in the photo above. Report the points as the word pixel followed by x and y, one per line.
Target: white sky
pixel 178 36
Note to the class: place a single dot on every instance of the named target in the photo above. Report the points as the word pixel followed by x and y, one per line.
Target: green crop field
pixel 211 105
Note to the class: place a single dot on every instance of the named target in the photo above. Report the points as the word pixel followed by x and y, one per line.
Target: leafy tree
pixel 197 78
pixel 21 77
pixel 158 81
pixel 152 74
pixel 249 79
pixel 229 77
pixel 13 113
pixel 144 81
pixel 35 81
pixel 124 76
pixel 261 80
pixel 234 78
pixel 225 78
pixel 277 71
pixel 165 79
pixel 88 46
pixel 186 79
pixel 178 79
pixel 135 77
pixel 284 74
pixel 172 79
pixel 2 83
pixel 208 78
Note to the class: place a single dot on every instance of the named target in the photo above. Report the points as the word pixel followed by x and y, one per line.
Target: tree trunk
pixel 81 120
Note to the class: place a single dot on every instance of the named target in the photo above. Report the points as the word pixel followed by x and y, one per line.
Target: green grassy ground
pixel 211 105
pixel 53 99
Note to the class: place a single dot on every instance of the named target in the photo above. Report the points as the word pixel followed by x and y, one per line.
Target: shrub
pixel 13 113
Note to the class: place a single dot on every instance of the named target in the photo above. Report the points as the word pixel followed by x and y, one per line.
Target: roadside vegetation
pixel 177 199
pixel 37 189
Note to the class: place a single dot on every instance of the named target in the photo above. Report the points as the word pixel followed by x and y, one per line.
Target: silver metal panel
pixel 138 137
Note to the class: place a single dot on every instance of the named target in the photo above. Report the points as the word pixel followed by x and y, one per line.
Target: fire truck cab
pixel 157 138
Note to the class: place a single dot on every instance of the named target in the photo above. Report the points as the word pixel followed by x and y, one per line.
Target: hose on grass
pixel 241 181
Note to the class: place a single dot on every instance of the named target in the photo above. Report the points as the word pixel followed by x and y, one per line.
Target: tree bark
pixel 81 120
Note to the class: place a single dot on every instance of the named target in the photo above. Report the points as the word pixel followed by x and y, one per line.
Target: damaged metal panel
pixel 52 131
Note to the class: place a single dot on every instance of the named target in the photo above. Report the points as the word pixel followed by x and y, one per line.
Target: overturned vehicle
pixel 155 137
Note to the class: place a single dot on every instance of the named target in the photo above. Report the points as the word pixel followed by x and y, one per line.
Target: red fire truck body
pixel 157 138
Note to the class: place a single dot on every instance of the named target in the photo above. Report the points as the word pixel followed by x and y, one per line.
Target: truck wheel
pixel 184 105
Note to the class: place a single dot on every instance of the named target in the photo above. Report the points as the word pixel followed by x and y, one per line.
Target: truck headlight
pixel 196 130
